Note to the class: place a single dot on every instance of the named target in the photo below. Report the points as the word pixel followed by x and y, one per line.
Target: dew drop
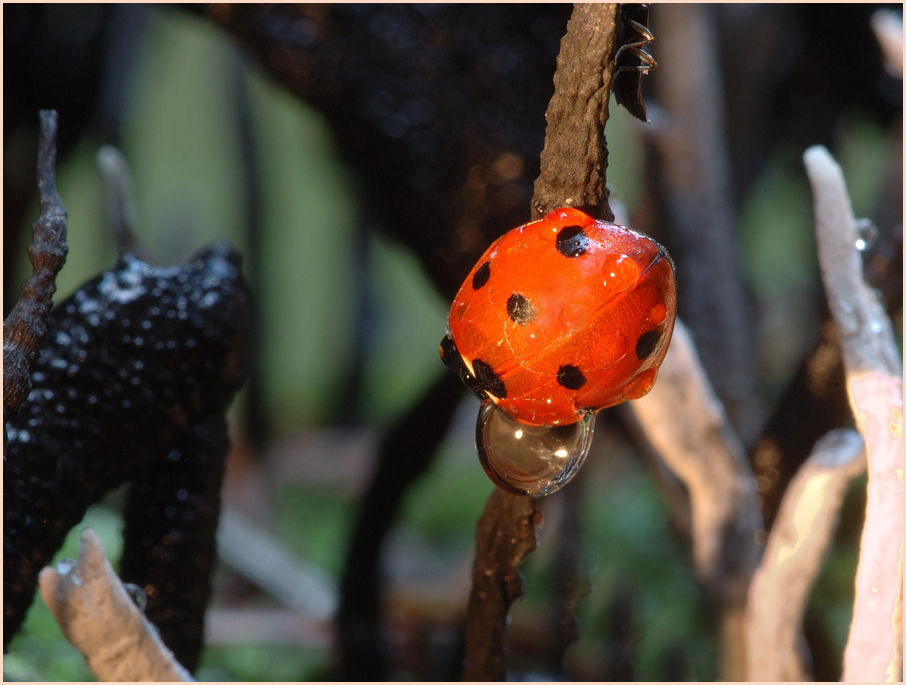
pixel 530 460
pixel 137 595
pixel 866 234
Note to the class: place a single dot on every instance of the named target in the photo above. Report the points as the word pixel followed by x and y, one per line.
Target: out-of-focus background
pixel 348 323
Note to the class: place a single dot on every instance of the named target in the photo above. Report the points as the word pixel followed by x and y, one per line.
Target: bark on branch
pixel 574 159
pixel 26 325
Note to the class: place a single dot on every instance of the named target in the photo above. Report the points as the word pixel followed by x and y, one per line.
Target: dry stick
pixel 573 166
pixel 98 616
pixel 796 549
pixel 688 428
pixel 26 325
pixel 875 388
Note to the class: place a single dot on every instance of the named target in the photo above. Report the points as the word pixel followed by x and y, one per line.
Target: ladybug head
pixel 478 376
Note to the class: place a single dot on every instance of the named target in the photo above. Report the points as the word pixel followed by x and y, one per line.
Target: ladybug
pixel 561 317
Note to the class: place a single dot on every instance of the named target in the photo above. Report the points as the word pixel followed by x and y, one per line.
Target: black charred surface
pixel 439 108
pixel 170 525
pixel 134 362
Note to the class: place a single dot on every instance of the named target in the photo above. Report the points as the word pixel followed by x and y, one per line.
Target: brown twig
pixel 573 165
pixel 574 159
pixel 26 325
pixel 875 387
pixel 505 534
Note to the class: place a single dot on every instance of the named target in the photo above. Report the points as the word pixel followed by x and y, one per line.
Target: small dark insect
pixel 632 60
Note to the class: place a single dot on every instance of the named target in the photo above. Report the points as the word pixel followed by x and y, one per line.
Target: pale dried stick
pixel 97 615
pixel 687 426
pixel 888 29
pixel 874 383
pixel 796 549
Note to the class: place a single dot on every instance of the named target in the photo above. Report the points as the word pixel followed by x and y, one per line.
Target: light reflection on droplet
pixel 866 234
pixel 137 595
pixel 530 460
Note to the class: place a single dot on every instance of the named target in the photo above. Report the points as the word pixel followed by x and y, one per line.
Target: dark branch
pixel 505 534
pixel 26 325
pixel 574 160
pixel 573 167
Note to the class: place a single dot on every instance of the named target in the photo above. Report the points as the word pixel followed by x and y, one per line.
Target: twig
pixel 700 447
pixel 98 616
pixel 875 387
pixel 121 211
pixel 573 166
pixel 260 557
pixel 26 325
pixel 795 552
pixel 505 534
pixel 888 28
pixel 686 425
pixel 574 159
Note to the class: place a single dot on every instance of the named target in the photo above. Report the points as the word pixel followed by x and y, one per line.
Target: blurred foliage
pixel 179 140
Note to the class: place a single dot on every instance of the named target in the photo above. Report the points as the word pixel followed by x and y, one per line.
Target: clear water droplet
pixel 137 595
pixel 866 234
pixel 530 460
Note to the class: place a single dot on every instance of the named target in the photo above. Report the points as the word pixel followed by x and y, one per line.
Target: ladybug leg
pixel 637 49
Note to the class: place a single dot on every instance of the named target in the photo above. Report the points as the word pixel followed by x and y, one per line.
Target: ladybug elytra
pixel 561 317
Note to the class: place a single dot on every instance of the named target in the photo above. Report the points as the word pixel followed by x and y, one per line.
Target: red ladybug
pixel 563 316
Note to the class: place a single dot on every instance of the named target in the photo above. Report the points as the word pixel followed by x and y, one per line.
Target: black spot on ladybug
pixel 519 309
pixel 572 241
pixel 482 274
pixel 570 377
pixel 486 380
pixel 647 343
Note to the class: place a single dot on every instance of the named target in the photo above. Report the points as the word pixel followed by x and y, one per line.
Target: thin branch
pixel 573 166
pixel 888 29
pixel 686 425
pixel 26 325
pixel 121 211
pixel 796 549
pixel 259 556
pixel 874 650
pixel 574 159
pixel 98 616
pixel 505 534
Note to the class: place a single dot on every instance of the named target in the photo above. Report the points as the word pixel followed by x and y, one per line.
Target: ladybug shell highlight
pixel 563 316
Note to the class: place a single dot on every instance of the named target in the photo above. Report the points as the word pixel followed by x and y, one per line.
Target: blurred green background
pixel 180 144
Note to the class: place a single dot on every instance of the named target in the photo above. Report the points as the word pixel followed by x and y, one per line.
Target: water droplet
pixel 530 460
pixel 137 595
pixel 866 234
